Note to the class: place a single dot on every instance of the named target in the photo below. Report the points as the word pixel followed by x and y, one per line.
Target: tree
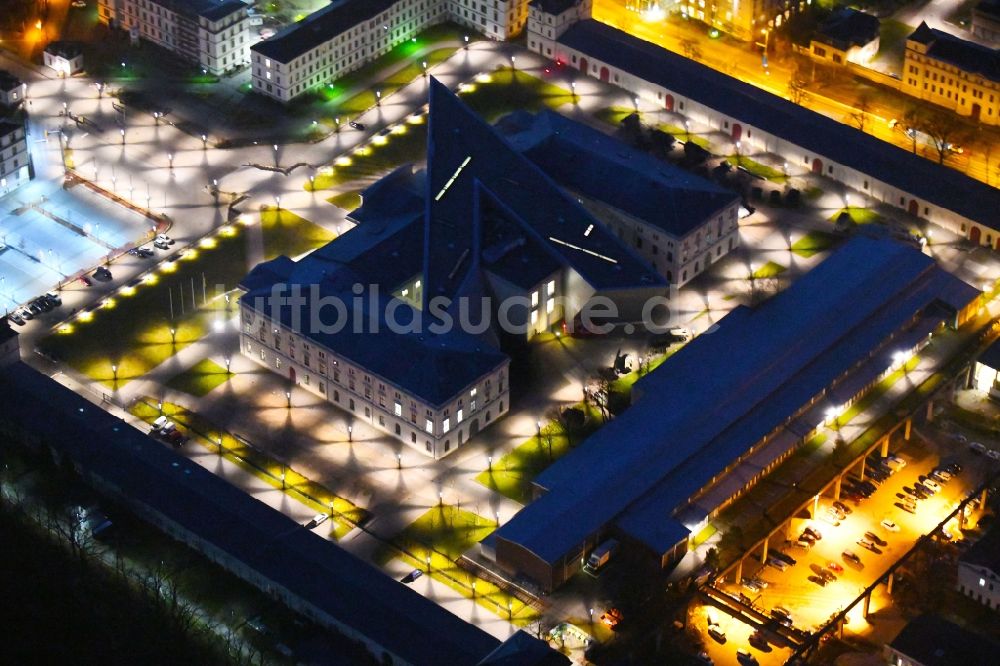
pixel 691 49
pixel 943 130
pixel 712 559
pixel 797 85
pixel 859 117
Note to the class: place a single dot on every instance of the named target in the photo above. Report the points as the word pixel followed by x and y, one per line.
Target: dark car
pixel 102 273
pixel 784 557
pixel 819 580
pixel 86 280
pixel 904 507
pixel 14 317
pixel 877 539
pixel 412 576
pixel 843 507
pixel 357 126
pixel 851 557
pixel 814 533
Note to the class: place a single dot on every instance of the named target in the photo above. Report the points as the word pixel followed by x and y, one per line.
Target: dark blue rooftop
pixel 319 27
pixel 657 192
pixel 939 185
pixel 991 356
pixel 706 405
pixel 311 568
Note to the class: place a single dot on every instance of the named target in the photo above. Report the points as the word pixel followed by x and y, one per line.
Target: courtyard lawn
pixel 858 215
pixel 813 243
pixel 768 270
pixel 199 379
pixel 343 514
pixel 511 474
pixel 348 201
pixel 681 134
pixel 132 329
pixel 366 99
pixel 492 96
pixel 288 234
pixel 758 169
pixel 441 536
pixel 614 115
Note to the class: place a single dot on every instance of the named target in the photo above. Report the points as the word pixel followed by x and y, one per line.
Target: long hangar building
pixel 562 31
pixel 720 414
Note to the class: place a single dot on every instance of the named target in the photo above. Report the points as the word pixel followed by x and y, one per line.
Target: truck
pixel 600 555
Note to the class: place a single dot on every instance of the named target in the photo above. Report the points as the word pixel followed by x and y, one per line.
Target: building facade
pixel 434 428
pixel 348 34
pixel 15 161
pixel 747 20
pixel 66 58
pixel 979 570
pixel 848 35
pixel 952 73
pixel 213 34
pixel 767 123
pixel 12 90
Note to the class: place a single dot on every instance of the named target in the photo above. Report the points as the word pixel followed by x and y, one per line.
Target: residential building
pixel 764 122
pixel 12 90
pixel 15 161
pixel 66 58
pixel 929 640
pixel 720 414
pixel 953 73
pixel 749 21
pixel 847 35
pixel 986 373
pixel 347 34
pixel 213 34
pixel 979 570
pixel 412 356
pixel 986 21
pixel 548 19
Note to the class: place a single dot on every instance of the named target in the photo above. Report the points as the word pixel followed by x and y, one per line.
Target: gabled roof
pixel 725 391
pixel 967 56
pixel 319 27
pixel 288 559
pixel 930 640
pixel 8 81
pixel 821 136
pixel 985 552
pixel 468 163
pixel 555 7
pixel 584 160
pixel 847 27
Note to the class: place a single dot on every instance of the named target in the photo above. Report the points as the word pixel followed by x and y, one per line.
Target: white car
pixel 977 447
pixel 716 632
pixel 319 519
pixel 993 453
pixel 889 525
pixel 934 486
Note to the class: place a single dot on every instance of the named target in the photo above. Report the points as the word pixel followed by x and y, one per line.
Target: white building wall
pixel 753 139
pixel 980 584
pixel 14 160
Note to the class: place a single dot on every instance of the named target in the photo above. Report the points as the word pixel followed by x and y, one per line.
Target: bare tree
pixel 943 130
pixel 691 48
pixel 859 117
pixel 797 85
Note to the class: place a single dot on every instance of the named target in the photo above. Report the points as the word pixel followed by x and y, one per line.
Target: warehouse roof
pixel 847 27
pixel 939 185
pixel 310 568
pixel 319 27
pixel 708 403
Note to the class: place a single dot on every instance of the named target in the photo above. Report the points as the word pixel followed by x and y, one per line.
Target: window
pixel 534 299
pixel 429 426
pixel 397 409
pixel 551 287
pixel 446 425
pixel 534 316
pixel 458 417
pixel 472 394
pixel 550 305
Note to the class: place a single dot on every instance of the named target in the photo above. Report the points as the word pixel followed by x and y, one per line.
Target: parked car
pixel 994 454
pixel 927 491
pixel 745 658
pixel 780 565
pixel 876 539
pixel 165 239
pixel 929 482
pixel 868 545
pixel 905 507
pixel 977 448
pixel 716 632
pixel 356 125
pixel 412 576
pixel 833 566
pixel 317 520
pixel 14 317
pixel 781 614
pixel 813 532
pixel 819 580
pixel 750 585
pixel 954 468
pixel 784 556
pixel 86 280
pixel 53 298
pixel 161 245
pixel 843 508
pixel 758 640
pixel 889 525
pixel 851 556
pixel 760 582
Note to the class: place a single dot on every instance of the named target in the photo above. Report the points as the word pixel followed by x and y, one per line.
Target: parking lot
pixel 822 582
pixel 44 241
